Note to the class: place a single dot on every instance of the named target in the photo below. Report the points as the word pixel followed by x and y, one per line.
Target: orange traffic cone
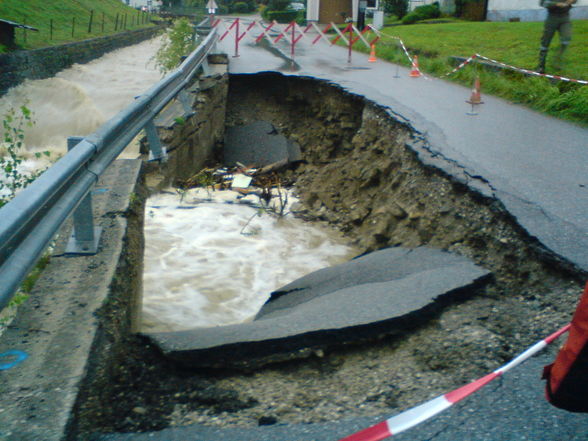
pixel 476 97
pixel 415 72
pixel 372 58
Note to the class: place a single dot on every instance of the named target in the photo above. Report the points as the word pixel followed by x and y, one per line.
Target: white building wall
pixel 442 3
pixel 528 10
pixel 312 10
pixel 504 10
pixel 153 4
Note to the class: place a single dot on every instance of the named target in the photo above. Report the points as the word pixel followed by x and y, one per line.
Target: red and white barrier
pixel 321 34
pixel 416 415
pixel 265 31
pixel 340 34
pixel 238 35
pixel 293 33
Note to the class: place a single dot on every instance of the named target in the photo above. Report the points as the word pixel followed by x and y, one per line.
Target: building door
pixel 335 11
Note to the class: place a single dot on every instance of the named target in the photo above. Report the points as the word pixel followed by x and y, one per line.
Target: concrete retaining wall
pixel 15 67
pixel 191 142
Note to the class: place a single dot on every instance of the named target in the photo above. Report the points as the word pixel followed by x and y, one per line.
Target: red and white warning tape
pixel 470 59
pixel 380 34
pixel 465 63
pixel 530 72
pixel 416 415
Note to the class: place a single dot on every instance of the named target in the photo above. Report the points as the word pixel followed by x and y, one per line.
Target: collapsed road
pixel 390 169
pixel 400 165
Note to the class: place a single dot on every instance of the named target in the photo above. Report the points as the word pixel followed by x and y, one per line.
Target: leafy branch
pixel 12 177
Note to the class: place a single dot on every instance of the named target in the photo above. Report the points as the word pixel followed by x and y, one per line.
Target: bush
pixel 240 7
pixel 301 20
pixel 399 8
pixel 422 13
pixel 281 16
pixel 178 41
pixel 12 177
pixel 278 5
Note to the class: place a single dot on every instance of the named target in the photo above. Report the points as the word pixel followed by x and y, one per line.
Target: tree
pixel 397 7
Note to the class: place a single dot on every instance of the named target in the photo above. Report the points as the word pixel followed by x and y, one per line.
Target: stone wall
pixel 15 67
pixel 191 141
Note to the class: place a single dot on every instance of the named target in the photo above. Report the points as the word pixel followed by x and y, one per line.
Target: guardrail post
pixel 85 236
pixel 185 100
pixel 205 67
pixel 156 150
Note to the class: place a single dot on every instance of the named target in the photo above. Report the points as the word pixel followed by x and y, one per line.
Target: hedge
pixel 282 16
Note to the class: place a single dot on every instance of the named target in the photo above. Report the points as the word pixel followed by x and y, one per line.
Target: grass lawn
pixel 55 20
pixel 516 44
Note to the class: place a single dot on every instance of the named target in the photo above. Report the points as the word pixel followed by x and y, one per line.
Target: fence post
pixel 350 43
pixel 90 22
pixel 73 26
pixel 85 236
pixel 237 38
pixel 292 50
pixel 116 23
pixel 103 17
pixel 51 29
pixel 25 29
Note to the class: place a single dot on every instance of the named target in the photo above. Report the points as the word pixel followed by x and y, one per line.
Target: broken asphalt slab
pixel 385 292
pixel 258 144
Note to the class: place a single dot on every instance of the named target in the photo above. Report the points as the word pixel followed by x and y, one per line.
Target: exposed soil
pixel 361 176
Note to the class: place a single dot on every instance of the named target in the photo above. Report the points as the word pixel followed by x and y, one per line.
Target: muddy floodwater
pixel 213 257
pixel 80 99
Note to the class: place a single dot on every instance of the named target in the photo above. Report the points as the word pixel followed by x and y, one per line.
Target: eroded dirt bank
pixel 360 175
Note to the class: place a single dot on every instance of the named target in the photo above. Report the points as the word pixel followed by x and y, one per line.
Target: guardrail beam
pixel 30 221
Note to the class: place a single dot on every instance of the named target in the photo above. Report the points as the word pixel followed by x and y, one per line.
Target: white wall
pixel 528 10
pixel 442 3
pixel 522 4
pixel 312 10
pixel 140 3
pixel 503 10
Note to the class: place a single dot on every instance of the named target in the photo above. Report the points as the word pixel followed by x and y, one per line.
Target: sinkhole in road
pixel 361 174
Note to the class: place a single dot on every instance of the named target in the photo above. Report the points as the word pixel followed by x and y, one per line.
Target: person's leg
pixel 549 29
pixel 565 36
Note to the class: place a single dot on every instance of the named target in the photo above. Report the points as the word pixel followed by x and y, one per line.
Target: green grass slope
pixel 67 16
pixel 516 44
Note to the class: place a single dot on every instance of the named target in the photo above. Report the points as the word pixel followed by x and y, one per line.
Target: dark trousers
pixel 556 23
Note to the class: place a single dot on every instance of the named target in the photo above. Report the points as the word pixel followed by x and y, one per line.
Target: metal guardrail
pixel 30 220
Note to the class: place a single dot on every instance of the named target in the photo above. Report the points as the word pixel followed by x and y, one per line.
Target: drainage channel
pixel 359 173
